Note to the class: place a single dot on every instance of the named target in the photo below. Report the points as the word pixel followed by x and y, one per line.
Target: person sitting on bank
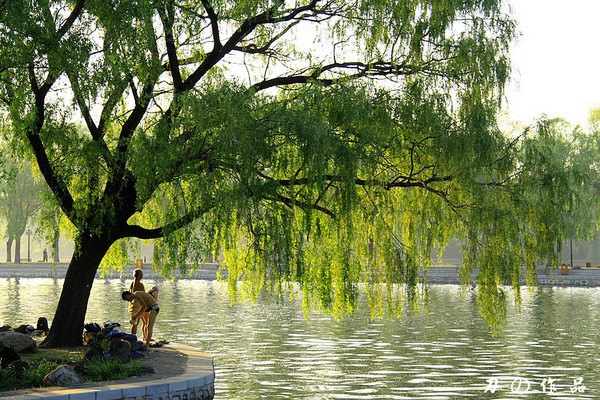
pixel 135 306
pixel 149 305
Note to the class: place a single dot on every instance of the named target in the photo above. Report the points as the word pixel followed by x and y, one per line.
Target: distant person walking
pixel 45 256
pixel 149 305
pixel 135 306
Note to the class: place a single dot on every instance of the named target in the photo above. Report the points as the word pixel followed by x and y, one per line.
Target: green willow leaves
pixel 326 143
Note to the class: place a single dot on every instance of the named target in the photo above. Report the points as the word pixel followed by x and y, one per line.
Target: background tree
pixel 19 202
pixel 584 218
pixel 318 141
pixel 50 222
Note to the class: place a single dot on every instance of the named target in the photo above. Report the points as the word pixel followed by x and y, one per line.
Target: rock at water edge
pixel 17 341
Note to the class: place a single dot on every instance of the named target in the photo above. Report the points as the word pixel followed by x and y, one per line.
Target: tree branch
pixel 167 21
pixel 96 131
pixel 266 17
pixel 157 233
pixel 85 111
pixel 254 49
pixel 58 187
pixel 133 121
pixel 303 205
pixel 290 80
pixel 110 105
pixel 213 23
pixel 71 18
pixel 394 183
pixel 387 185
pixel 379 68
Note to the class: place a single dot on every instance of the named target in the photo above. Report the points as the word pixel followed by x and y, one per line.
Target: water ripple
pixel 270 351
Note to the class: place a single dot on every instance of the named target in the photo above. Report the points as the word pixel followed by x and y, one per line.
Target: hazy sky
pixel 557 59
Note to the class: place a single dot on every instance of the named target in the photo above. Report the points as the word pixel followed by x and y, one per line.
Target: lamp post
pixel 571 240
pixel 28 233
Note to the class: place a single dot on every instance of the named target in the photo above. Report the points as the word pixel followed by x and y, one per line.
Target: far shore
pixel 446 274
pixel 58 271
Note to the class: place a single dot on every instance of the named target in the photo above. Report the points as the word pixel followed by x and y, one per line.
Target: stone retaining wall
pixel 197 383
pixel 59 270
pixel 584 277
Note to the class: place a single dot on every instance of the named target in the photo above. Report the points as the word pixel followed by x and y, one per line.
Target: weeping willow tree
pixel 323 142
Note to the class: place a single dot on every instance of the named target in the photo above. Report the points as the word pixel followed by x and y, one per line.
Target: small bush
pixel 40 365
pixel 7 379
pixel 34 375
pixel 110 369
pixel 30 378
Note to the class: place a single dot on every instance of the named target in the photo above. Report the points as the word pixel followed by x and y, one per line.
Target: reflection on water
pixel 270 351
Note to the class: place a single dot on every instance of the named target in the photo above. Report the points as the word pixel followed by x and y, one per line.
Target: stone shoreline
pixel 182 372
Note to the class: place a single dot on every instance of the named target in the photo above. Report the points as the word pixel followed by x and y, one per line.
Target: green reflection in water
pixel 270 351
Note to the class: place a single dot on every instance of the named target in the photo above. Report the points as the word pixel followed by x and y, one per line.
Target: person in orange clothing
pixel 135 306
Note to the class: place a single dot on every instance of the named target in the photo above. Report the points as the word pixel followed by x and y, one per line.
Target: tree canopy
pixel 323 142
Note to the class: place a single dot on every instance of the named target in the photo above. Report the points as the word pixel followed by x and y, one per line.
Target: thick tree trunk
pixel 55 246
pixel 9 250
pixel 18 251
pixel 67 325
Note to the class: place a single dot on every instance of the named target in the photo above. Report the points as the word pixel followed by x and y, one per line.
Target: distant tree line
pixel 26 207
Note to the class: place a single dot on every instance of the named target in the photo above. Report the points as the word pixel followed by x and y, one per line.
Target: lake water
pixel 549 350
